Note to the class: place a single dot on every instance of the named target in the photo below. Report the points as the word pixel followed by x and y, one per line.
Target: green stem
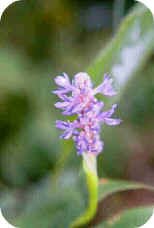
pixel 89 166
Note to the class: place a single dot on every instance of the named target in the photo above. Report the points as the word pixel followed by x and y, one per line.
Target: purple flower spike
pixel 79 98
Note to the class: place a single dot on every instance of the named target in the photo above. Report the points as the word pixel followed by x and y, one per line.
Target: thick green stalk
pixel 90 169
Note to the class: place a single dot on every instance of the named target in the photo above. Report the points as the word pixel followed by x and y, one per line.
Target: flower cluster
pixel 78 98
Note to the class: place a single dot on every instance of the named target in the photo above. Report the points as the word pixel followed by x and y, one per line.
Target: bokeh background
pixel 41 180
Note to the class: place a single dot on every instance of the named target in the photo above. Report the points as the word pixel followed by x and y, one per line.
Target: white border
pixel 3 5
pixel 149 4
pixel 4 223
pixel 149 223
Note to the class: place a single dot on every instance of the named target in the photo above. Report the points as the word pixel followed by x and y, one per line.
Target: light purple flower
pixel 63 81
pixel 106 116
pixel 68 127
pixel 64 85
pixel 78 98
pixel 105 87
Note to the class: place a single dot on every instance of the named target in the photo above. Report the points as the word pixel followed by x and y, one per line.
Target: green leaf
pixel 132 218
pixel 48 204
pixel 128 50
pixel 109 186
pixel 115 197
pixel 125 56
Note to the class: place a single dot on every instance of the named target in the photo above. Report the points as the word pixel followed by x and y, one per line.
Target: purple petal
pixel 76 108
pixel 62 95
pixel 62 81
pixel 112 122
pixel 60 92
pixel 98 106
pixel 61 105
pixel 108 113
pixel 105 87
pixel 98 147
pixel 72 109
pixel 61 124
pixel 82 81
pixel 68 112
pixel 67 134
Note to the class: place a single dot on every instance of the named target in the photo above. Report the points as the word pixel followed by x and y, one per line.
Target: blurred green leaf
pixel 138 107
pixel 125 56
pixel 109 186
pixel 45 204
pixel 132 218
pixel 115 192
pixel 128 50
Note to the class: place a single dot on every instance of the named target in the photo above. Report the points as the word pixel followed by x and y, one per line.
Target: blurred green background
pixel 41 180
